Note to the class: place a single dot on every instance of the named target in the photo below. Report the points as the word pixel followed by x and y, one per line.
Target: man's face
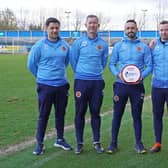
pixel 53 31
pixel 92 25
pixel 164 32
pixel 130 30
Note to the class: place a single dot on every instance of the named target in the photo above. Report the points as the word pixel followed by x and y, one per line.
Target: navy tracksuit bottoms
pixel 48 96
pixel 121 94
pixel 159 97
pixel 88 93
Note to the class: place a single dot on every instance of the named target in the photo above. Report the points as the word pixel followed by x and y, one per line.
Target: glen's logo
pixel 99 47
pixel 139 49
pixel 63 48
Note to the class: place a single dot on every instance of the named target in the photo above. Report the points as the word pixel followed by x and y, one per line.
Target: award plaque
pixel 131 74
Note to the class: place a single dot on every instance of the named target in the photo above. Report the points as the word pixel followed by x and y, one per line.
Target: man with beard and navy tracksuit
pixel 129 51
pixel 88 59
pixel 47 61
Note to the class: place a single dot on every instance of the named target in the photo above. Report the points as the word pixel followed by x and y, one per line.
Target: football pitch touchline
pixel 39 163
pixel 27 143
pixel 49 157
pixel 44 160
pixel 49 135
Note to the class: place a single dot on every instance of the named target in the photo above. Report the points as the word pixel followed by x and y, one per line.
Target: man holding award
pixel 130 63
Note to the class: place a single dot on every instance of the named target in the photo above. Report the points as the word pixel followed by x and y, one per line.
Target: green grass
pixel 125 157
pixel 18 102
pixel 18 116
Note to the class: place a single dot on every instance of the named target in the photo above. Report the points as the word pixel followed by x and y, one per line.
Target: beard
pixel 131 35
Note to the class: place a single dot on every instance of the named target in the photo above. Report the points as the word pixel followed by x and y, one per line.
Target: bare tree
pixel 78 20
pixel 34 26
pixel 22 20
pixel 38 22
pixel 160 12
pixel 8 20
pixel 42 19
pixel 59 13
pixel 104 21
pixel 141 20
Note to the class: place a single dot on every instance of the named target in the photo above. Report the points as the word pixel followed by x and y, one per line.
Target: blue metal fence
pixel 22 41
pixel 75 34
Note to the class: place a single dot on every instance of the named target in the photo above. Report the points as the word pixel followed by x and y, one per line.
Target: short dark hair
pixel 91 16
pixel 131 20
pixel 52 20
pixel 164 22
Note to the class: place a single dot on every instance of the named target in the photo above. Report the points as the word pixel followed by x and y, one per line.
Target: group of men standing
pixel 88 56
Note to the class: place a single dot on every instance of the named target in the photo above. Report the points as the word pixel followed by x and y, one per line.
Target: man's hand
pixel 152 43
pixel 133 83
pixel 120 76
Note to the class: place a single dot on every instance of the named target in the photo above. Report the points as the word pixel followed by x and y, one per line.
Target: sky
pixel 105 6
pixel 118 10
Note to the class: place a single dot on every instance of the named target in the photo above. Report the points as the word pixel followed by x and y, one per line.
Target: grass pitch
pixel 18 116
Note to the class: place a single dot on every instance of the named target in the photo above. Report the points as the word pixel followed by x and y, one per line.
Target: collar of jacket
pixel 126 39
pixel 163 42
pixel 90 39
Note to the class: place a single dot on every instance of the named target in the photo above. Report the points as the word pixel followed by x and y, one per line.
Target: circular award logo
pixel 131 74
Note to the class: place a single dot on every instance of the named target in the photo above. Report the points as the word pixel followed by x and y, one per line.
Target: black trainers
pixel 39 149
pixel 61 143
pixel 98 148
pixel 112 149
pixel 139 148
pixel 78 149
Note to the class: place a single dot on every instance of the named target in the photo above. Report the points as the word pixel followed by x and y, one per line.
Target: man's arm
pixel 147 62
pixel 105 56
pixel 74 55
pixel 33 59
pixel 113 61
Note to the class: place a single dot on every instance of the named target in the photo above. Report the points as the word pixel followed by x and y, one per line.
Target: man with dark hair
pixel 88 59
pixel 159 82
pixel 130 53
pixel 47 61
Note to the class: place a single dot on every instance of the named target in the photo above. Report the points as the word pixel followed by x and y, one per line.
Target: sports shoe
pixel 61 143
pixel 156 148
pixel 139 148
pixel 39 149
pixel 78 149
pixel 98 148
pixel 112 149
